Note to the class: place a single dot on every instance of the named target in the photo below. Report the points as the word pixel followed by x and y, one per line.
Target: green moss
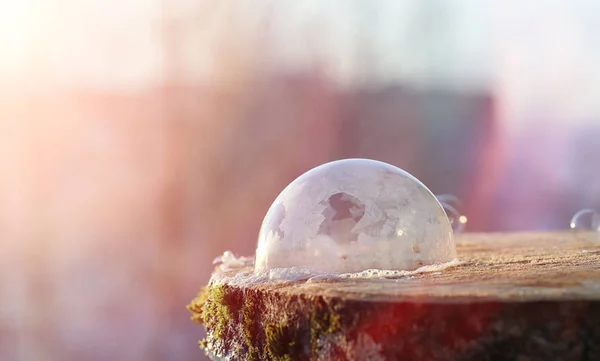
pixel 279 341
pixel 274 335
pixel 252 357
pixel 215 312
pixel 222 312
pixel 211 309
pixel 249 328
pixel 203 344
pixel 216 307
pixel 334 323
pixel 195 307
pixel 323 321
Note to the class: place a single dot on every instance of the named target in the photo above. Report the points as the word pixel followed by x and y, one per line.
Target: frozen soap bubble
pixel 586 219
pixel 450 204
pixel 353 215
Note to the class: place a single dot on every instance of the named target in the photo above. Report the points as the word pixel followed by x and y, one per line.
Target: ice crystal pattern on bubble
pixel 352 215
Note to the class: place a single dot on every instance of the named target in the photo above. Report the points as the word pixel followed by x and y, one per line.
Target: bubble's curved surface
pixel 586 219
pixel 450 203
pixel 352 215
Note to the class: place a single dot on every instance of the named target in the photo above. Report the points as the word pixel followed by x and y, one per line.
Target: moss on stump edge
pixel 502 315
pixel 238 324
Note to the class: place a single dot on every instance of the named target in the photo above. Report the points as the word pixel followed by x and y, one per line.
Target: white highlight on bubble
pixel 353 215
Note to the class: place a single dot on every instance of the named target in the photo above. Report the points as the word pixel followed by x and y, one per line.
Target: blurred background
pixel 140 139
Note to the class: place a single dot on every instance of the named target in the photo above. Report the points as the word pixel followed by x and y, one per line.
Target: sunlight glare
pixel 19 31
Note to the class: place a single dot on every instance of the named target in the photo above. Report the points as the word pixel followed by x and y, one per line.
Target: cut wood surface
pixel 519 296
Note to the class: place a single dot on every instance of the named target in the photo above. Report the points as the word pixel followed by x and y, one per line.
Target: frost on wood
pixel 353 215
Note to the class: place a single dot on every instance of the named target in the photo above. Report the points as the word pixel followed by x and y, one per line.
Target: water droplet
pixel 586 220
pixel 451 204
pixel 353 215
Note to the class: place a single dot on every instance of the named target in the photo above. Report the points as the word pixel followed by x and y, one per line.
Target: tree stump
pixel 519 296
